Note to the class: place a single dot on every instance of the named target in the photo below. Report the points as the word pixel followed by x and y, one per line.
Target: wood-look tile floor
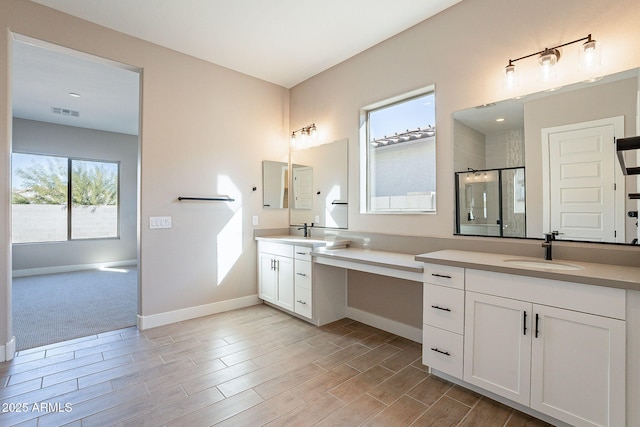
pixel 250 367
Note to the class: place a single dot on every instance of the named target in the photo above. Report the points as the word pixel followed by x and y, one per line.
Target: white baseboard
pixel 161 319
pixel 406 331
pixel 8 351
pixel 68 268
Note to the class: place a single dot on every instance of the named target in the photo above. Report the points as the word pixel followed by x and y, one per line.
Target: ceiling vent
pixel 65 112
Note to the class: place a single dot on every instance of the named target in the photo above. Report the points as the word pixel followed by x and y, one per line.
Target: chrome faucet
pixel 547 244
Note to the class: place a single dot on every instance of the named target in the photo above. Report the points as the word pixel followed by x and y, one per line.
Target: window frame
pixel 69 204
pixel 365 157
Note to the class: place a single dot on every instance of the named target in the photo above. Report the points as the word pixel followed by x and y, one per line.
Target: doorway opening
pixel 75 194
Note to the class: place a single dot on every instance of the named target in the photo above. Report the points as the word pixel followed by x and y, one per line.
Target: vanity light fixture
pixel 74 95
pixel 590 54
pixel 304 132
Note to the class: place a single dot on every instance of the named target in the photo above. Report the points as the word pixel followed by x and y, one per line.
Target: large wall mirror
pixel 565 142
pixel 275 185
pixel 318 185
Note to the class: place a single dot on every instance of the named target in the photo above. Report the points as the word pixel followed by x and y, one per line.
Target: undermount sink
pixel 329 243
pixel 303 240
pixel 547 265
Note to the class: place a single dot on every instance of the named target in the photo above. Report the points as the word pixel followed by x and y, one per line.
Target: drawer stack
pixel 443 318
pixel 303 281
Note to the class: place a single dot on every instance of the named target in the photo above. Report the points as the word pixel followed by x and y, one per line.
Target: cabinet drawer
pixel 302 274
pixel 444 275
pixel 281 249
pixel 302 252
pixel 443 307
pixel 303 303
pixel 599 300
pixel 442 350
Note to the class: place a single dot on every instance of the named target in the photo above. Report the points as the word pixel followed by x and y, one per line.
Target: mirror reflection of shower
pixel 490 202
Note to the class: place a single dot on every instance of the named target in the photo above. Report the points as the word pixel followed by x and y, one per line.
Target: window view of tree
pixel 94 194
pixel 42 210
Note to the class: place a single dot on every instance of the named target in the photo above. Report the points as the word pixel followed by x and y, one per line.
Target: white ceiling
pixel 281 41
pixel 42 79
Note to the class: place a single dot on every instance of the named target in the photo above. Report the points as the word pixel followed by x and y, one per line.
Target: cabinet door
pixel 284 267
pixel 578 367
pixel 268 278
pixel 497 345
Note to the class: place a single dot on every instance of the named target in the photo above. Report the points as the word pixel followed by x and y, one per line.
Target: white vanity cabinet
pixel 498 345
pixel 275 274
pixel 557 347
pixel 443 318
pixel 303 282
pixel 578 367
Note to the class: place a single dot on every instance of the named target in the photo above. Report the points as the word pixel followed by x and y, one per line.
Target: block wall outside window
pixel 401 156
pixel 47 206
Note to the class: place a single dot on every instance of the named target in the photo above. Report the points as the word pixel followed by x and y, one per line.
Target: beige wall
pixel 462 51
pixel 195 131
pixel 604 101
pixel 45 138
pixel 198 137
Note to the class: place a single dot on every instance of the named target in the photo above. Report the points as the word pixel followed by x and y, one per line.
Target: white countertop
pixel 614 276
pixel 394 260
pixel 306 241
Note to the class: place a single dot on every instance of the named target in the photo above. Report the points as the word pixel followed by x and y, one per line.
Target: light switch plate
pixel 317 219
pixel 255 220
pixel 159 222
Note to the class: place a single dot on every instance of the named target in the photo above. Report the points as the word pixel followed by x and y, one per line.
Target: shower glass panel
pixel 490 202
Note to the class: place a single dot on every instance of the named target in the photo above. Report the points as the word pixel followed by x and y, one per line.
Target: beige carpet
pixel 58 307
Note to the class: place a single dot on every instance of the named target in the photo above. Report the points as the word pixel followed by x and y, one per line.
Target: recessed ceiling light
pixel 74 95
pixel 500 119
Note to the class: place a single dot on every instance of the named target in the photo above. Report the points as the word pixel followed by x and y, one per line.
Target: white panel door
pixel 497 345
pixel 577 367
pixel 303 187
pixel 581 165
pixel 268 278
pixel 284 267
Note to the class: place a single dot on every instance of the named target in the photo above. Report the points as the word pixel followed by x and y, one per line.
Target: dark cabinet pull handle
pixel 301 274
pixel 301 302
pixel 273 264
pixel 441 275
pixel 524 323
pixel 446 353
pixel 440 308
pixel 301 253
pixel 537 322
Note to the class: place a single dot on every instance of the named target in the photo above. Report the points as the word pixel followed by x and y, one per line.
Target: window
pixel 401 156
pixel 57 198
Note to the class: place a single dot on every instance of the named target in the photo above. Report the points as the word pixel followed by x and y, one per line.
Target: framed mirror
pixel 565 140
pixel 275 185
pixel 318 183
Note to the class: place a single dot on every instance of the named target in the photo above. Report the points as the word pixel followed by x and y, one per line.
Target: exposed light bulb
pixel 591 58
pixel 548 60
pixel 510 76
